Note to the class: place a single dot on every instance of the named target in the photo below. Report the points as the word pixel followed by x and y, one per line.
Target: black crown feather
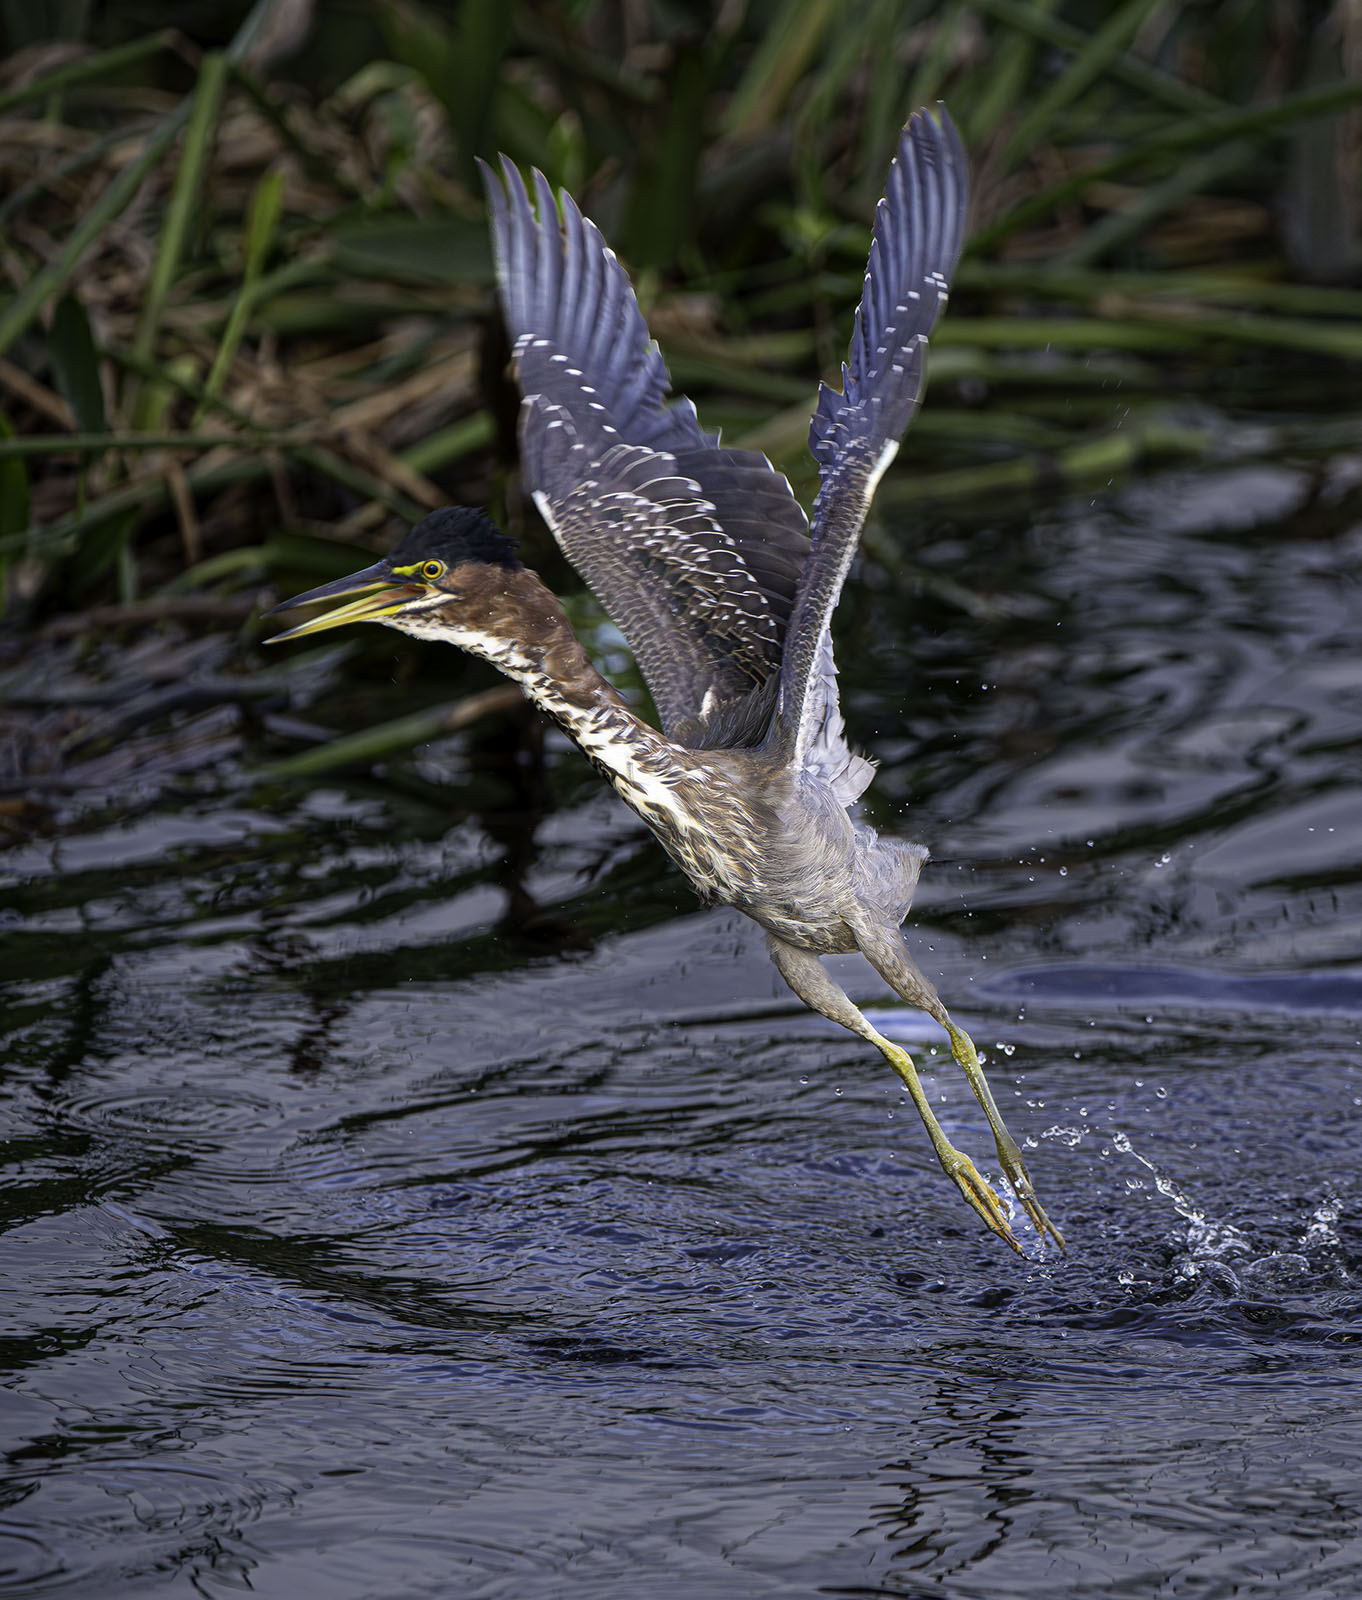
pixel 454 535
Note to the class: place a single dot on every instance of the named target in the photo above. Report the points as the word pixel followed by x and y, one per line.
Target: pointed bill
pixel 380 593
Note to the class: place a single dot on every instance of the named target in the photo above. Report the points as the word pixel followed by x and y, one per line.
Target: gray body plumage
pixel 706 561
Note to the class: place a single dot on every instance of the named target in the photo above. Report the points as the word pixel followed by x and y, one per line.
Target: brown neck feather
pixel 512 620
pixel 521 629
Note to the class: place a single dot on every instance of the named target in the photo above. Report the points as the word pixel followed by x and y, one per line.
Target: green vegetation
pixel 245 317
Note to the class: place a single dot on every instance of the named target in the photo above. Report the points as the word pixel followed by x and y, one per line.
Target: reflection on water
pixel 409 1192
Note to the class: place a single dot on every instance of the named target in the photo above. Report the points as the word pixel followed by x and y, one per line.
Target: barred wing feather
pixel 919 228
pixel 695 551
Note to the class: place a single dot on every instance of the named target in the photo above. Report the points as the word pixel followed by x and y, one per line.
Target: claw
pixel 1021 1186
pixel 980 1194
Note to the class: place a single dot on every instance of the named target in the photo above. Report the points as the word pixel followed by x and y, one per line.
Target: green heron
pixel 706 561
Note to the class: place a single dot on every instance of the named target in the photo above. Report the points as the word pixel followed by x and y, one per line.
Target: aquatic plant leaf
pixel 435 249
pixel 13 486
pixel 75 364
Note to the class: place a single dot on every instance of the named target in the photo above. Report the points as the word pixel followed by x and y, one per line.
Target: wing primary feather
pixel 520 240
pixel 575 250
pixel 919 229
pixel 548 288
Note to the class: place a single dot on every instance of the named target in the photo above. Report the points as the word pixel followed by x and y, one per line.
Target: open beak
pixel 380 595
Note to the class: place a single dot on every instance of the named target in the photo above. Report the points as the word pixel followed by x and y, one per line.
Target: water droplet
pixel 1161 1094
pixel 1064 872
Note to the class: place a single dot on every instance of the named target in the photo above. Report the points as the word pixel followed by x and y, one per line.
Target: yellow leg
pixel 805 974
pixel 954 1163
pixel 889 957
pixel 1014 1168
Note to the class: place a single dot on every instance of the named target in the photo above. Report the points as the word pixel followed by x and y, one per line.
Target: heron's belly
pixel 795 904
pixel 826 936
pixel 793 884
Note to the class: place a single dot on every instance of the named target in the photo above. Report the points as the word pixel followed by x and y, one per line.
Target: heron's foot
pixel 1014 1170
pixel 1009 1156
pixel 979 1192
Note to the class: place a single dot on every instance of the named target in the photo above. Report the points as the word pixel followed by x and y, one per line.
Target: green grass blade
pixel 1010 73
pixel 935 65
pixel 13 484
pixel 1091 461
pixel 1089 62
pixel 75 365
pixel 105 64
pixel 262 222
pixel 450 444
pixel 1036 21
pixel 484 36
pixel 1156 201
pixel 791 42
pixel 392 738
pixel 60 444
pixel 662 203
pixel 185 197
pixel 1064 333
pixel 888 100
pixel 1226 285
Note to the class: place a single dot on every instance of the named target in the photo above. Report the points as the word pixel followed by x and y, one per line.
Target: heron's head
pixel 436 583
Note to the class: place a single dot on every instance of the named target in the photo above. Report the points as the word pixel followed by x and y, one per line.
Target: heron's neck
pixel 522 631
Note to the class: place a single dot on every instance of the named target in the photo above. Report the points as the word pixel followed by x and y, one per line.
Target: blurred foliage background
pixel 246 323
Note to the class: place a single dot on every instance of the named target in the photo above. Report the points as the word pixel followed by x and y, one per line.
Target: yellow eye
pixel 431 570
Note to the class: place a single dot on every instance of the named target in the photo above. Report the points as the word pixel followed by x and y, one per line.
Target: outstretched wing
pixel 695 551
pixel 919 228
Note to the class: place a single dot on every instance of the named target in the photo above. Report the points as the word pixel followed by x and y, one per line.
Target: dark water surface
pixel 358 1244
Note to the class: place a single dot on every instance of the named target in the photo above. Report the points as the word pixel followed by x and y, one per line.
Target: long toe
pixel 1026 1195
pixel 981 1195
pixel 1014 1170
